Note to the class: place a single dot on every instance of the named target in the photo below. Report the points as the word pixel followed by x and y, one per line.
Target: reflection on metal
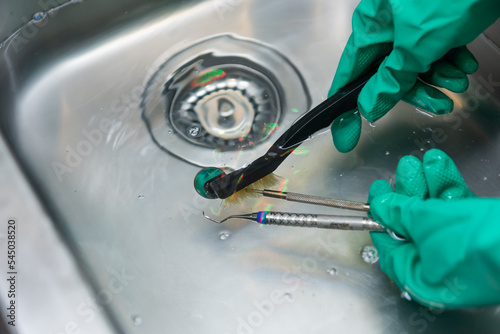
pixel 226 114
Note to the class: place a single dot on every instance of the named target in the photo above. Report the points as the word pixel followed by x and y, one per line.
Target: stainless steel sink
pixel 112 238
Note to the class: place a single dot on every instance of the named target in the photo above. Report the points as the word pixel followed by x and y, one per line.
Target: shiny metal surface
pixel 336 222
pixel 70 113
pixel 214 111
pixel 49 287
pixel 16 13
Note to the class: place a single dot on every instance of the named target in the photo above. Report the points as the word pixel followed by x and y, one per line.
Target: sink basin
pixel 115 194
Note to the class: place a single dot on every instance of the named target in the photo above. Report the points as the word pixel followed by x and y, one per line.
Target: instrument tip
pixel 211 219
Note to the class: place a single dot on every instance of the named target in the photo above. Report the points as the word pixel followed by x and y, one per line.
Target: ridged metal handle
pixel 352 223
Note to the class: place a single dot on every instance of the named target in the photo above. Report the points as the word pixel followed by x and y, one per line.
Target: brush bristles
pixel 253 190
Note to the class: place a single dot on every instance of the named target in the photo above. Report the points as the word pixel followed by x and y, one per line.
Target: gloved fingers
pixel 424 222
pixel 401 262
pixel 379 187
pixel 386 87
pixel 355 60
pixel 443 177
pixel 393 211
pixel 445 75
pixel 395 257
pixel 410 177
pixel 450 243
pixel 463 59
pixel 429 99
pixel 373 21
pixel 371 39
pixel 346 130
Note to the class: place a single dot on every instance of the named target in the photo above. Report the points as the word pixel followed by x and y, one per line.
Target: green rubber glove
pixel 451 258
pixel 422 41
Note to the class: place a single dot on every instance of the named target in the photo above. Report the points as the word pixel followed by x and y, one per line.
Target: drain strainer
pixel 209 102
pixel 222 103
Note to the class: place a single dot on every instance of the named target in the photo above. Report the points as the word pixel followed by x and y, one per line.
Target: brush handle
pixel 351 223
pixel 323 114
pixel 317 200
pixel 303 128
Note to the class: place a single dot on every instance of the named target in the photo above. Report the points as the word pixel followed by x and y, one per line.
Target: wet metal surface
pixel 71 114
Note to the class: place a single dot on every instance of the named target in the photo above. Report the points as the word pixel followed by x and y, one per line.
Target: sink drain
pixel 216 98
pixel 222 103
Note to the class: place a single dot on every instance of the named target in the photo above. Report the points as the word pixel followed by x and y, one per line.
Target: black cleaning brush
pixel 213 183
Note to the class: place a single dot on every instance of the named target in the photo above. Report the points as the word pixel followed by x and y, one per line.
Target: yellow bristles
pixel 269 181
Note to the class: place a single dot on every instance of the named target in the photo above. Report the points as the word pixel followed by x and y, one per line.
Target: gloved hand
pixel 451 257
pixel 421 40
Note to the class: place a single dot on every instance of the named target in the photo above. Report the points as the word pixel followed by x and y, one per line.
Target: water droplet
pixel 485 178
pixel 140 197
pixel 224 235
pixel 169 131
pixel 289 296
pixel 137 320
pixel 405 295
pixel 421 149
pixel 332 271
pixel 369 254
pixel 387 152
pixel 194 131
pixel 38 16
